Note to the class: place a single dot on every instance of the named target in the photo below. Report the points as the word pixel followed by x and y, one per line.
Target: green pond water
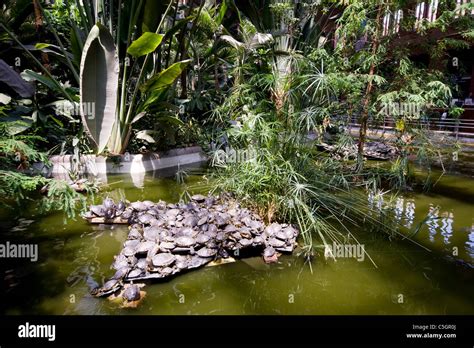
pixel 408 279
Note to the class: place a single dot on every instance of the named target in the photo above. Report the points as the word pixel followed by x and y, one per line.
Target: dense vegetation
pixel 272 78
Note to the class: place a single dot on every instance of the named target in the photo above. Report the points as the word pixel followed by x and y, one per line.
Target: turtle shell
pixel 128 251
pixel 185 241
pixel 139 206
pixel 131 293
pixel 163 259
pixel 245 242
pixel 135 273
pixel 198 198
pixel 134 234
pixel 144 247
pixel 167 246
pixel 111 284
pixel 202 238
pixel 269 251
pixel 98 210
pixel 151 234
pixel 276 242
pixel 206 252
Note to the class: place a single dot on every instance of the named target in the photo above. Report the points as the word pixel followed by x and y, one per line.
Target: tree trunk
pixel 368 95
pixel 39 30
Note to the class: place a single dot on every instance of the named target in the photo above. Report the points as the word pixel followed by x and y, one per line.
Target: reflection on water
pixel 432 222
pixel 76 257
pixel 470 242
pixel 439 220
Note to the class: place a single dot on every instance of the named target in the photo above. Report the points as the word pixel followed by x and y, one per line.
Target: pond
pixel 408 279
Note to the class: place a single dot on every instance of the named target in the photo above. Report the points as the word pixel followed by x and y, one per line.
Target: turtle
pixel 97 210
pixel 128 251
pixel 190 221
pixel 185 241
pixel 236 236
pixel 270 255
pixel 272 229
pixel 127 214
pixel 131 293
pixel 220 236
pixel 167 271
pixel 165 246
pixel 197 261
pixel 121 273
pixel 181 261
pixel 187 232
pixel 141 264
pixel 139 206
pixel 108 203
pixel 211 244
pixel 198 198
pixel 131 243
pixel 88 215
pixel 223 253
pixel 206 252
pixel 151 233
pixel 209 201
pixel 290 232
pixel 144 247
pixel 221 219
pixel 120 263
pixel 160 205
pixel 256 225
pixel 172 212
pixel 276 243
pixel 246 220
pixel 230 228
pixel 148 204
pixel 109 213
pixel 132 260
pixel 135 273
pixel 146 218
pixel 258 240
pixel 202 238
pixel 134 234
pixel 245 242
pixel 120 207
pixel 245 232
pixel 269 251
pixel 163 259
pixel 202 220
pixel 281 235
pixel 110 287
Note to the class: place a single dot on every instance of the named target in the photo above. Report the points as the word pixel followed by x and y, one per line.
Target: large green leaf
pixel 99 75
pixel 158 84
pixel 45 80
pixel 164 78
pixel 145 44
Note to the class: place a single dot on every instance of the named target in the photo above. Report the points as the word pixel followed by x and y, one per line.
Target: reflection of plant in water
pixel 88 267
pixel 181 175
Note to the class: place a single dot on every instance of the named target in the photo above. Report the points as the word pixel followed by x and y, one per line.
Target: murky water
pixel 408 279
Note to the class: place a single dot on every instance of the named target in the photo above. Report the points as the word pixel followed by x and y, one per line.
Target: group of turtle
pixel 165 239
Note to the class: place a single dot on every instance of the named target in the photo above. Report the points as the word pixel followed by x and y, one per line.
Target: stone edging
pixel 128 164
